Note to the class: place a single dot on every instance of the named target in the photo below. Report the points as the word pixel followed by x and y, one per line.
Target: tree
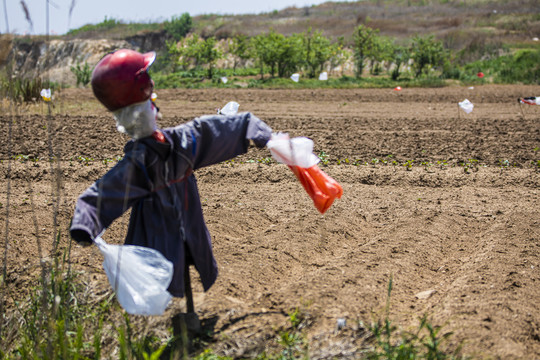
pixel 427 53
pixel 196 52
pixel 317 51
pixel 208 54
pixel 184 52
pixel 363 43
pixel 400 56
pixel 289 54
pixel 380 52
pixel 256 45
pixel 179 26
pixel 239 48
pixel 338 54
pixel 264 53
pixel 280 54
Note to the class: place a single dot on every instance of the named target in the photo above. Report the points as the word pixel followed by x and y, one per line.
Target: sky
pixel 95 11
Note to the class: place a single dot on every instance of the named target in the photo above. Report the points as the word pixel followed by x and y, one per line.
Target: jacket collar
pixel 163 150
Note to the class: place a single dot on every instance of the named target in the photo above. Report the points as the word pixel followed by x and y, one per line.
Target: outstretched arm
pixel 216 138
pixel 107 199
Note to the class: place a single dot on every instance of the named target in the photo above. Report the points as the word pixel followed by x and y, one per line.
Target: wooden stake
pixel 187 289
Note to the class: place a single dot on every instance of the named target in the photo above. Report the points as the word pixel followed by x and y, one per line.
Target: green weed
pixel 147 347
pixel 442 164
pixel 504 164
pixel 24 90
pixel 427 165
pixel 208 354
pixel 469 165
pixel 86 161
pixel 53 320
pixel 324 158
pixel 292 340
pixel 408 165
pixel 83 74
pixel 24 158
pixel 266 161
pixel 427 342
pixel 57 323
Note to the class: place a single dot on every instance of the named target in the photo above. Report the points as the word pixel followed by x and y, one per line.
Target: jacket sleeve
pixel 216 138
pixel 107 199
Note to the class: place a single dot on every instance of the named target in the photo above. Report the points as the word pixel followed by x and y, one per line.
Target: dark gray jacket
pixel 155 180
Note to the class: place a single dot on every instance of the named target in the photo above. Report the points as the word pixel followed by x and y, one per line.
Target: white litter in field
pixel 466 106
pixel 230 109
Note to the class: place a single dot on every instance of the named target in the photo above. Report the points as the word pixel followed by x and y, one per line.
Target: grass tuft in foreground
pixel 427 342
pixel 56 322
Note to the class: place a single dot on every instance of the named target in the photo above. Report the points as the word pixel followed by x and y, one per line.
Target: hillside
pixel 457 22
pixel 476 29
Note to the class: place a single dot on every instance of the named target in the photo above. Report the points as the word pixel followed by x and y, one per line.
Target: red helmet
pixel 121 78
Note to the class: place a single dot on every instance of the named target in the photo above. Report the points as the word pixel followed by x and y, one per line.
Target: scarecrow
pixel 155 178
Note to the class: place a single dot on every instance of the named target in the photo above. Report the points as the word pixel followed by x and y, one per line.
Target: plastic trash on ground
pixel 295 77
pixel 531 100
pixel 139 276
pixel 46 94
pixel 298 154
pixel 466 106
pixel 230 109
pixel 224 80
pixel 323 76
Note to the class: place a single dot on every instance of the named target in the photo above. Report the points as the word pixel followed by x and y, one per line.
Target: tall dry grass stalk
pixel 27 15
pixel 3 286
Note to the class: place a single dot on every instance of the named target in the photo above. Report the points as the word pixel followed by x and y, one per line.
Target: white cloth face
pixel 137 120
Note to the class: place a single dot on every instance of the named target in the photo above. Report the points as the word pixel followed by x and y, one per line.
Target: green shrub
pixel 523 67
pixel 179 26
pixel 106 24
pixel 83 74
pixel 54 320
pixel 24 90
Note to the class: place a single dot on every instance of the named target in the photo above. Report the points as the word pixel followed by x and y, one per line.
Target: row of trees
pixel 311 52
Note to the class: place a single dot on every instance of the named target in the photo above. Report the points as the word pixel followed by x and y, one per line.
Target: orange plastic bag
pixel 298 155
pixel 322 189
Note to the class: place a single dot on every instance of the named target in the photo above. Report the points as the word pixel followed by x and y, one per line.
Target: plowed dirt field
pixel 446 204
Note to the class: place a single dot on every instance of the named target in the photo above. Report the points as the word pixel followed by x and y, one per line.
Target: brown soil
pixel 461 243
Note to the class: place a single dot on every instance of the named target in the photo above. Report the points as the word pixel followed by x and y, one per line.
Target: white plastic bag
pixel 466 106
pixel 139 275
pixel 230 109
pixel 295 77
pixel 323 76
pixel 297 151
